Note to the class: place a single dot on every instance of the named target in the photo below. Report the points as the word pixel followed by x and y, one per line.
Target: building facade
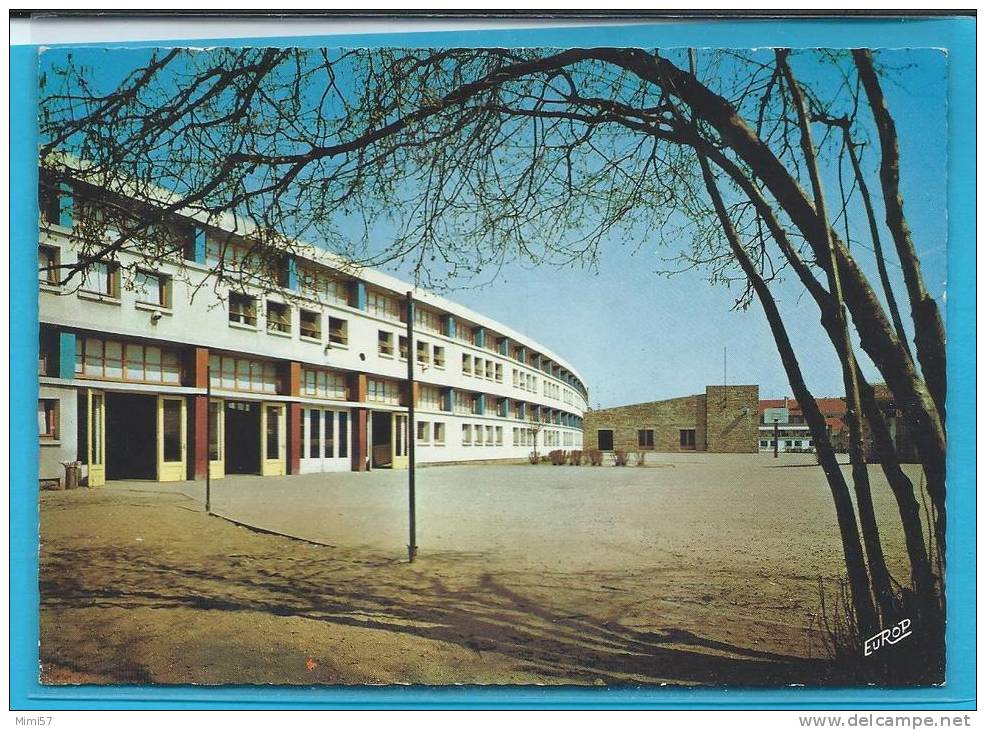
pixel 162 372
pixel 782 420
pixel 722 420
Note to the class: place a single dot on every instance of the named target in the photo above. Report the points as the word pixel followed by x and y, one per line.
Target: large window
pixel 382 391
pixel 103 278
pixel 462 402
pixel 325 384
pixel 230 373
pixel 426 319
pixel 428 397
pixel 242 309
pixel 645 438
pixel 153 288
pixel 113 360
pixel 381 305
pixel 323 284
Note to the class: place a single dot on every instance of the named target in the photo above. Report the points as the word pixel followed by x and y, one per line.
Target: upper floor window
pixel 153 288
pixel 380 305
pixel 426 319
pixel 402 347
pixel 278 317
pixel 467 365
pixel 243 309
pixel 231 373
pixel 338 331
pixel 423 352
pixel 48 265
pixel 103 277
pixel 310 324
pixel 382 391
pixel 385 343
pixel 438 356
pixel 325 384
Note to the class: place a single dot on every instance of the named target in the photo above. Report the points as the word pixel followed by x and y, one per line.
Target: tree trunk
pixel 929 332
pixel 859 584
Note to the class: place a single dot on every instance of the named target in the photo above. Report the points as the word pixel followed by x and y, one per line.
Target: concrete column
pixel 199 418
pixel 357 442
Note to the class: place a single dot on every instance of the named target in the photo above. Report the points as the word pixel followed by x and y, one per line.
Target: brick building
pixel 724 419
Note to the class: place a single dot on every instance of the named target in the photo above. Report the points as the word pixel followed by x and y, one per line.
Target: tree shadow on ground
pixel 482 615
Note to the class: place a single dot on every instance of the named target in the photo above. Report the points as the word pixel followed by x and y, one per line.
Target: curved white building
pixel 145 375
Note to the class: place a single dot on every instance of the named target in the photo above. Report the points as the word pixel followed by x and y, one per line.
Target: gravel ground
pixel 697 569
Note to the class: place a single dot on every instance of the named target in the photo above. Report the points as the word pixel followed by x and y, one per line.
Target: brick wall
pixel 724 420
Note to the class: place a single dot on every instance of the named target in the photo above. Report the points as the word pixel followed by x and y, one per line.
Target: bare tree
pixel 469 158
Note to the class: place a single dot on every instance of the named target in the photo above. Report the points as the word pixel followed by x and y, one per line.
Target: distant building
pixel 723 420
pixel 792 429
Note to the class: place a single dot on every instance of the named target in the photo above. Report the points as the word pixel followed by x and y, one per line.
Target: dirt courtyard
pixel 697 569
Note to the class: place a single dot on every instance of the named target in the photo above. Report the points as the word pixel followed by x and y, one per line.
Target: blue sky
pixel 635 335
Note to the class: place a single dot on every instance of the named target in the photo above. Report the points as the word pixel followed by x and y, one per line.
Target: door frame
pixel 273 467
pixel 217 467
pixel 96 469
pixel 172 471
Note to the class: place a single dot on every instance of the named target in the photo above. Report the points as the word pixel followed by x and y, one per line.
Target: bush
pixel 575 458
pixel 595 457
pixel 621 457
pixel 641 455
pixel 557 457
pixel 533 457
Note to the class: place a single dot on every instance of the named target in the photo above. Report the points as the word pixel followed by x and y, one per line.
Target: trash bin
pixel 71 474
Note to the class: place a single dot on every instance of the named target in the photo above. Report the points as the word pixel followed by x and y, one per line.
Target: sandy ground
pixel 696 569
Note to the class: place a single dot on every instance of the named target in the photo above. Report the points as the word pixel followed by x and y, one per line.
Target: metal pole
pixel 775 437
pixel 208 439
pixel 412 431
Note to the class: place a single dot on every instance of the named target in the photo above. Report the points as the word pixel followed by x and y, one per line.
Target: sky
pixel 635 335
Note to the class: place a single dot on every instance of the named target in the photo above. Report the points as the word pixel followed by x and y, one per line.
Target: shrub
pixel 641 455
pixel 621 457
pixel 557 457
pixel 533 457
pixel 595 457
pixel 575 458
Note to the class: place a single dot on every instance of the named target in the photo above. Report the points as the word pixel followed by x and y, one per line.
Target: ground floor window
pixel 645 438
pixel 48 418
pixel 686 438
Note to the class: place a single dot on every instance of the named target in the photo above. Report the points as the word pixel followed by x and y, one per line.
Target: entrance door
pixel 325 440
pixel 399 454
pixel 381 429
pixel 217 439
pixel 242 445
pixel 273 440
pixel 96 437
pixel 171 441
pixel 605 439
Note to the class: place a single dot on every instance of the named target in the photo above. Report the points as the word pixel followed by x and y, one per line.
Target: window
pixel 427 320
pixel 424 432
pixel 380 305
pixel 428 397
pixel 324 384
pixel 382 391
pixel 499 373
pixel 516 437
pixel 645 439
pixel 438 356
pixel 477 366
pixel 463 332
pixel 242 309
pixel 112 360
pixel 48 265
pixel 324 284
pixel 338 331
pixel 462 402
pixel 310 324
pixel 385 343
pixel 402 347
pixel 153 288
pixel 478 435
pixel 438 431
pixel 424 352
pixel 686 438
pixel 278 318
pixel 466 434
pixel 103 278
pixel 466 365
pixel 48 418
pixel 489 435
pixel 489 370
pixel 49 204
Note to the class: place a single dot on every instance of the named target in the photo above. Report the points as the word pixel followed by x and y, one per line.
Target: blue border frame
pixel 956 34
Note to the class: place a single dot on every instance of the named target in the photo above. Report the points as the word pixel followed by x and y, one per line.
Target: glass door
pixel 96 437
pixel 217 439
pixel 273 440
pixel 171 440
